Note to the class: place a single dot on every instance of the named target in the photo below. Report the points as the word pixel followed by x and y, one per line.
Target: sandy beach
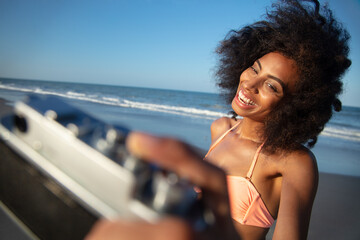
pixel 336 208
pixel 335 212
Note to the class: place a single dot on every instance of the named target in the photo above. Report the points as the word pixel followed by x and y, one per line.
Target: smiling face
pixel 263 85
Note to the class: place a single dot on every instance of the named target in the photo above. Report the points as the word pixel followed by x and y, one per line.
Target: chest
pixel 234 155
pixel 237 158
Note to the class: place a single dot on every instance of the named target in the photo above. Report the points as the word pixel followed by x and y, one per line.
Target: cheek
pixel 242 76
pixel 270 100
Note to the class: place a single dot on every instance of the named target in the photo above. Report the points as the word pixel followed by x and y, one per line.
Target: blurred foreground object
pixel 62 169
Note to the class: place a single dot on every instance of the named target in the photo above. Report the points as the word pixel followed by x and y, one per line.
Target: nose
pixel 252 85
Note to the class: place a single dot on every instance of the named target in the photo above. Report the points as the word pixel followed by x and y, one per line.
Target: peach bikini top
pixel 247 206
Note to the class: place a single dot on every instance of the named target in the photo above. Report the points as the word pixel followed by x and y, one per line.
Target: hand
pixel 139 230
pixel 184 161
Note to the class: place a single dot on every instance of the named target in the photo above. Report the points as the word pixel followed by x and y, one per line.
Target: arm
pixel 183 160
pixel 298 190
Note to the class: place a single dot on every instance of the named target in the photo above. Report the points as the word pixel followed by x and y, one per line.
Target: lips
pixel 245 100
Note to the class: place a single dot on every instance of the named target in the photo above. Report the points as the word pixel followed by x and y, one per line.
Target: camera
pixel 62 166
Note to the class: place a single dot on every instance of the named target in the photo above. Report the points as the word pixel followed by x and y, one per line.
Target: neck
pixel 251 130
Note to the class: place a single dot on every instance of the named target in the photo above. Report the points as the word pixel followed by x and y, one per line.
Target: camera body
pixel 86 160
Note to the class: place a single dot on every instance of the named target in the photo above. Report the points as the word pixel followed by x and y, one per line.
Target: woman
pixel 282 76
pixel 290 68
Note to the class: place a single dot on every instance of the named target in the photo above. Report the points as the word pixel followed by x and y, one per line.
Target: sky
pixel 167 44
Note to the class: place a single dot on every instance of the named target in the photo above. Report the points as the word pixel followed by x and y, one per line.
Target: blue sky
pixel 147 43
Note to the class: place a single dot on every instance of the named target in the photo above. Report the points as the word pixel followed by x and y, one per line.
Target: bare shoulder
pixel 300 169
pixel 221 122
pixel 221 125
pixel 301 157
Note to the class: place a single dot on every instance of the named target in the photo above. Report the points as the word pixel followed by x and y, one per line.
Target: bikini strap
pixel 221 138
pixel 256 156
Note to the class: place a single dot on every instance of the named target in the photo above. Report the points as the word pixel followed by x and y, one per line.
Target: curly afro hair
pixel 309 35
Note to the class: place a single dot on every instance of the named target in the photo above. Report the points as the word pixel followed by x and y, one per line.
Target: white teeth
pixel 244 99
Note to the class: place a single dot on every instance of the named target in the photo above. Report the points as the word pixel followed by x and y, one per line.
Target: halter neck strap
pixel 221 138
pixel 256 156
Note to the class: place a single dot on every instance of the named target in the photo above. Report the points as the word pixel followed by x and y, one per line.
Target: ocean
pixel 185 115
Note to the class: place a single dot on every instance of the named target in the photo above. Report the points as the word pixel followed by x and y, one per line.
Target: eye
pixel 272 87
pixel 254 70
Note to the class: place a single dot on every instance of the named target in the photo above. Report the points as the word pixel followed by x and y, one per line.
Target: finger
pixel 183 160
pixel 179 158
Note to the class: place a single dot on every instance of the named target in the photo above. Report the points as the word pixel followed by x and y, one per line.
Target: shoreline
pixel 337 159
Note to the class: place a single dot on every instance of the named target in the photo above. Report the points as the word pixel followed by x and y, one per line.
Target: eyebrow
pixel 258 62
pixel 273 77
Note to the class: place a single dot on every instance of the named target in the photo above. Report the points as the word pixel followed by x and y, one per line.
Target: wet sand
pixel 336 209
